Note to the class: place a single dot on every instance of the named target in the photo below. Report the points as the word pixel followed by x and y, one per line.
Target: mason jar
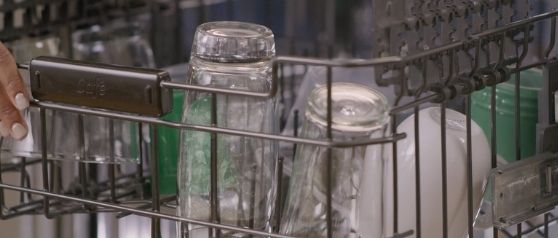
pixel 229 55
pixel 358 113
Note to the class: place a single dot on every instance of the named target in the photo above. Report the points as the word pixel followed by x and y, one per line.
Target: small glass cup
pixel 358 113
pixel 98 139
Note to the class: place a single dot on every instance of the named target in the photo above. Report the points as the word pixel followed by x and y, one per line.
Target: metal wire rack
pixel 24 17
pixel 53 202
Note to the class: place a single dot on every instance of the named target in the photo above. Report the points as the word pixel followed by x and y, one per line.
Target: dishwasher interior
pixel 376 118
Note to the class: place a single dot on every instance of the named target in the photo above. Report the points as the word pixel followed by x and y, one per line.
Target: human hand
pixel 13 97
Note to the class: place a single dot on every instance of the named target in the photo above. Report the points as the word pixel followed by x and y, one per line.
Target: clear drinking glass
pixel 120 43
pixel 104 140
pixel 23 51
pixel 358 113
pixel 230 55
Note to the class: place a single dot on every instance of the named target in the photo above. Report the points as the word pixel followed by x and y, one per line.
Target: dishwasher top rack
pixel 400 71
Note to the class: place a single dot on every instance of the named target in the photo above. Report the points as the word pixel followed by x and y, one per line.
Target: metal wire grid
pixel 36 16
pixel 485 76
pixel 62 17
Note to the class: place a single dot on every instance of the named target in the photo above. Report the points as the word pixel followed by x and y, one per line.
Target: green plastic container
pixel 168 149
pixel 530 84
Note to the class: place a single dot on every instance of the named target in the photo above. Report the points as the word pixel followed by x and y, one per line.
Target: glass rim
pixel 263 31
pixel 318 115
pixel 233 42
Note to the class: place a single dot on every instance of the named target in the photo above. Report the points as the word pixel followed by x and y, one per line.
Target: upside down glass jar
pixel 358 113
pixel 223 178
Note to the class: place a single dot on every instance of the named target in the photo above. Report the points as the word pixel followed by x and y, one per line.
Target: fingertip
pixel 18 131
pixel 21 101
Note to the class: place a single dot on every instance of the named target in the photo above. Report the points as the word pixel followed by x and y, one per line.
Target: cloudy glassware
pixel 230 55
pixel 105 140
pixel 119 43
pixel 358 113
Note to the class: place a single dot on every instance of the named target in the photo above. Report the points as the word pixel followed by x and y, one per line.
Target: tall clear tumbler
pixel 358 113
pixel 223 178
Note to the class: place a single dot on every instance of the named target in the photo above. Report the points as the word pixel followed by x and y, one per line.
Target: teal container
pixel 168 149
pixel 530 84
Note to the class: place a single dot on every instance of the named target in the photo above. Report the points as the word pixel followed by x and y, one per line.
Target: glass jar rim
pixel 355 108
pixel 233 42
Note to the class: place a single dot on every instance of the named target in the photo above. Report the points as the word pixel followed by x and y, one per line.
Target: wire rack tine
pixel 154 165
pixel 111 167
pixel 329 162
pixel 44 164
pixel 394 152
pixel 141 155
pixel 444 170
pixel 214 207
